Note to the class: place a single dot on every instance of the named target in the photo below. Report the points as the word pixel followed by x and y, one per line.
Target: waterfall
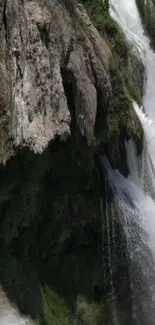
pixel 9 314
pixel 11 317
pixel 134 197
pixel 137 210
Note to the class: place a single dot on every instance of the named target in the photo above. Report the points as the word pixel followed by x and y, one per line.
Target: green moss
pixel 54 308
pixel 121 115
pixel 86 312
pixel 91 313
pixel 108 28
pixel 147 12
pixel 50 206
pixel 98 11
pixel 126 84
pixel 58 291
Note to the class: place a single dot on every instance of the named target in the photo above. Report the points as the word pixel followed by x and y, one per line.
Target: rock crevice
pixel 38 39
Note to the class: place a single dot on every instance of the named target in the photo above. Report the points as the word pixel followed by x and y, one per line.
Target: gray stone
pixel 37 39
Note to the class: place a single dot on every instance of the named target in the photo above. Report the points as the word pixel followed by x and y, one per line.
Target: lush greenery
pixel 51 260
pixel 126 71
pixel 147 11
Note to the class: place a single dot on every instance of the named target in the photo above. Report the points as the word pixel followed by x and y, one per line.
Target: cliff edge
pixel 41 43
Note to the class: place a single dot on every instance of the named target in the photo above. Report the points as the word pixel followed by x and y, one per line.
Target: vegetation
pixel 51 262
pixel 50 244
pixel 126 84
pixel 147 11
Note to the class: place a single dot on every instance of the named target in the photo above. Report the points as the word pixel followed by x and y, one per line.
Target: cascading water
pixel 10 317
pixel 134 196
pixel 137 210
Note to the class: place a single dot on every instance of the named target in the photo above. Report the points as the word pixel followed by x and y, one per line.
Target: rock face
pixel 42 42
pixel 55 81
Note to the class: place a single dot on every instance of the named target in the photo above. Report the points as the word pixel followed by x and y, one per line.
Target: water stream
pixel 135 196
pixel 11 317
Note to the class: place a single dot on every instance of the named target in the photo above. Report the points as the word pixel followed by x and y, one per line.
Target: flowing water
pixel 11 317
pixel 135 196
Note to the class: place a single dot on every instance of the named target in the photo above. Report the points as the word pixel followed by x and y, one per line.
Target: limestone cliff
pixel 63 77
pixel 42 42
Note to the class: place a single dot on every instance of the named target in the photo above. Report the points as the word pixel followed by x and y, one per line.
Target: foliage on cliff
pixel 147 13
pixel 126 75
pixel 51 262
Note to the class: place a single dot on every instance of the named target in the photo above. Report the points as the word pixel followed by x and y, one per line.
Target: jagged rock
pixel 37 40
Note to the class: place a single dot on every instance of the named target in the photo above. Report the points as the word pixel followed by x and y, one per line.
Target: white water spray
pixel 135 196
pixel 10 317
pixel 149 131
pixel 137 216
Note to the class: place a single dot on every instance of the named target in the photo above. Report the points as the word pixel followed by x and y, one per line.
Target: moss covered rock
pixel 52 263
pixel 147 13
pixel 119 120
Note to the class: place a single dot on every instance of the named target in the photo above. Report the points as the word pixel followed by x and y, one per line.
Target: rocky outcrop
pixel 41 43
pixel 56 81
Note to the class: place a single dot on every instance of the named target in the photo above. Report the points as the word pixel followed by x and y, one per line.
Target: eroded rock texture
pixel 42 42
